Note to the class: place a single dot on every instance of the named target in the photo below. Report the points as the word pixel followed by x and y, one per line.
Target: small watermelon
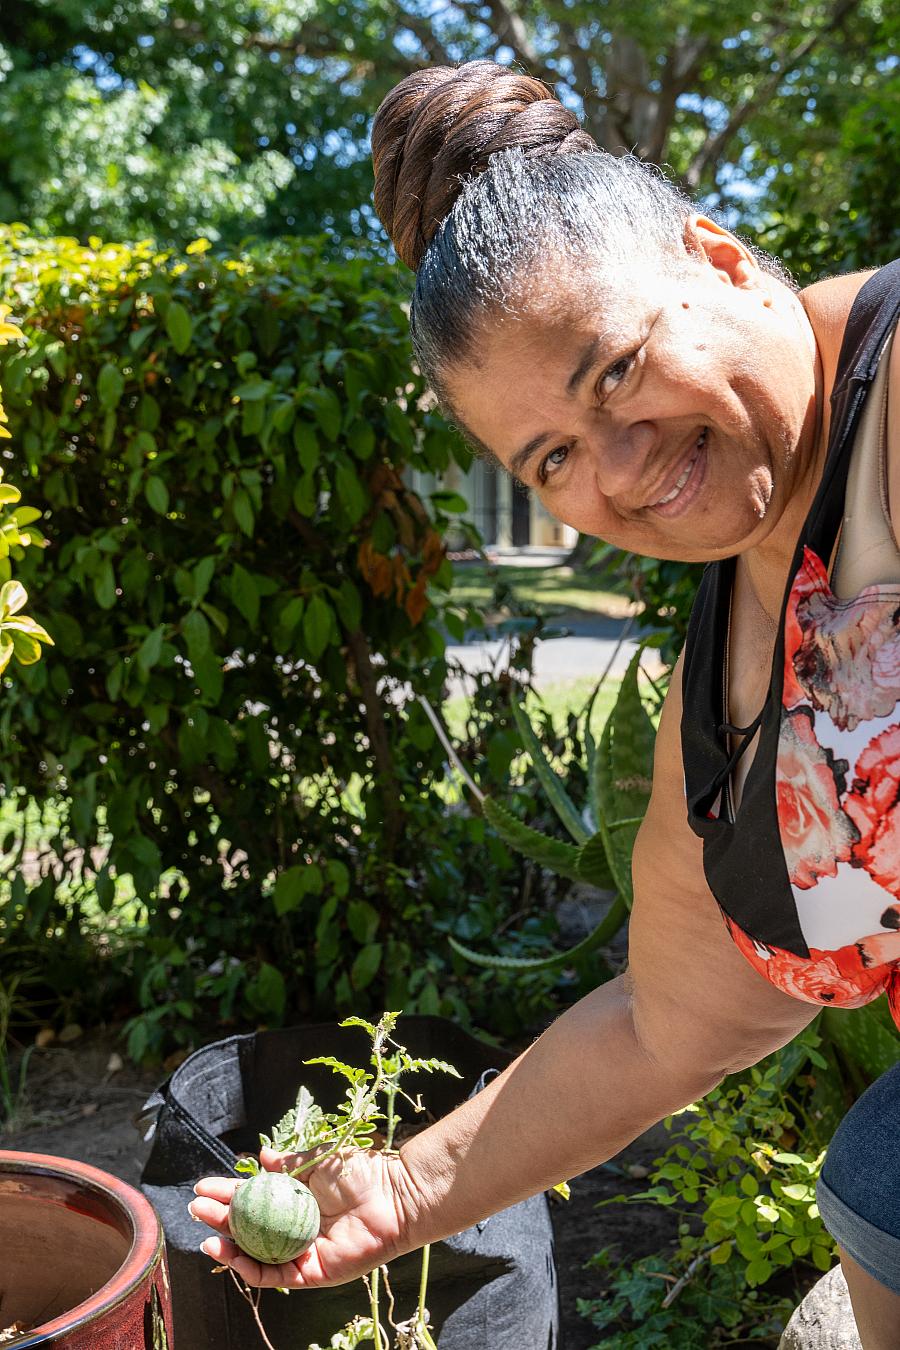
pixel 273 1217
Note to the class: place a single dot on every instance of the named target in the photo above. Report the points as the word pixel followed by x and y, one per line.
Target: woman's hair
pixel 481 173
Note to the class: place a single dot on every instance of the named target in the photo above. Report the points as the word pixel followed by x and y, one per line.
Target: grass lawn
pixel 556 587
pixel 560 699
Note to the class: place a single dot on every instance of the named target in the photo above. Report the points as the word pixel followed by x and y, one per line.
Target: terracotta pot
pixel 83 1262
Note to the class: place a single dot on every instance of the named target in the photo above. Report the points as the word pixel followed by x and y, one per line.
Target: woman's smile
pixel 690 475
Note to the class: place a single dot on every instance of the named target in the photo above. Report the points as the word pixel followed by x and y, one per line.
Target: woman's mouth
pixel 688 483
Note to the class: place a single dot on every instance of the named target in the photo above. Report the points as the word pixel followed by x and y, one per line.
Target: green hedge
pixel 240 588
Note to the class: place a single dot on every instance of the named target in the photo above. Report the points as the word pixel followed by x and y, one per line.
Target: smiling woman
pixel 662 385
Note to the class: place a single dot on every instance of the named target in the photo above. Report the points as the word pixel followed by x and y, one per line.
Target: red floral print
pixel 841 670
pixel 838 979
pixel 872 806
pixel 811 576
pixel 815 833
pixel 893 994
pixel 847 662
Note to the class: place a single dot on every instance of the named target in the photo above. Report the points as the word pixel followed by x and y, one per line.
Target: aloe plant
pixel 619 772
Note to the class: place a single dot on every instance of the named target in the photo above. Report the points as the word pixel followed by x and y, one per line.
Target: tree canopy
pixel 174 119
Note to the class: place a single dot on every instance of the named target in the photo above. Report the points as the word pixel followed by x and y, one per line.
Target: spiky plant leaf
pixel 864 1036
pixel 623 776
pixel 593 864
pixel 549 779
pixel 606 929
pixel 554 854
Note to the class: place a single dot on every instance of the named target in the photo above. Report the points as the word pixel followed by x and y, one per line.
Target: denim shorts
pixel 858 1191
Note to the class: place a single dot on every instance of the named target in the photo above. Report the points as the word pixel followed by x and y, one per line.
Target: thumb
pixel 273 1161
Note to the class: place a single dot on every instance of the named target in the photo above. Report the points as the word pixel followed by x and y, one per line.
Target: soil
pixel 88 1099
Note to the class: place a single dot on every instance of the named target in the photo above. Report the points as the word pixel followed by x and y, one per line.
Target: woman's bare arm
pixel 688 1010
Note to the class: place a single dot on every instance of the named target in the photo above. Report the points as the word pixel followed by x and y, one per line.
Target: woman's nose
pixel 622 454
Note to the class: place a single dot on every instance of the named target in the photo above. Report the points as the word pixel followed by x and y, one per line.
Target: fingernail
pixel 196 1191
pixel 193 1215
pixel 204 1247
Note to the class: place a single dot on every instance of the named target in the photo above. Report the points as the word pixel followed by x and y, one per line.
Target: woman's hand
pixel 365 1200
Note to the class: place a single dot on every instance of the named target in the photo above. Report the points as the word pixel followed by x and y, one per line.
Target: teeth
pixel 686 472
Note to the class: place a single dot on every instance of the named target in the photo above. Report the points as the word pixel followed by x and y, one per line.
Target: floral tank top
pixel 806 867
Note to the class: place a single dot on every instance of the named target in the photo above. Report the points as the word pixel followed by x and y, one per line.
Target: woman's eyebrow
pixel 521 457
pixel 588 357
pixel 586 361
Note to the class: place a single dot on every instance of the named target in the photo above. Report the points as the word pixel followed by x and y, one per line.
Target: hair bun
pixel 440 125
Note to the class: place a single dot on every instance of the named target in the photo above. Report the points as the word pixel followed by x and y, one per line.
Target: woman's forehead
pixel 552 329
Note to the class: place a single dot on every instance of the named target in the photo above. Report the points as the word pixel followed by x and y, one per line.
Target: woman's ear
pixel 713 244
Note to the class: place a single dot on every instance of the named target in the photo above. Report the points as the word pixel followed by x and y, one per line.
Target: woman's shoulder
pixel 828 304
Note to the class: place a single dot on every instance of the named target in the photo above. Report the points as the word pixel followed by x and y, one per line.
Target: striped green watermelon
pixel 273 1217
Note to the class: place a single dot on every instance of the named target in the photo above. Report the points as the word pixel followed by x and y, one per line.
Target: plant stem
pixel 244 1291
pixel 423 1281
pixel 422 1332
pixel 390 1094
pixel 374 1282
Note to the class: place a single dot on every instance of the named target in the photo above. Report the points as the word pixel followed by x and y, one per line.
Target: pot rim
pixel 147 1241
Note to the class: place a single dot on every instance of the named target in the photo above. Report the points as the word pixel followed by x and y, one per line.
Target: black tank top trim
pixel 743 857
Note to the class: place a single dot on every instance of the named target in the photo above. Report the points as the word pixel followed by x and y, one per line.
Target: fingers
pixel 212 1213
pixel 273 1161
pixel 217 1188
pixel 260 1276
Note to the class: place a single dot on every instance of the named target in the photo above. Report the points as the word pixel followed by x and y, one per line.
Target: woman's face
pixel 670 413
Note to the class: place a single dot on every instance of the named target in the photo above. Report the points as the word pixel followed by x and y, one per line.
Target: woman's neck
pixel 822 310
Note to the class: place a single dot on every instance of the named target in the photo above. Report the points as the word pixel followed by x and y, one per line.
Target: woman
pixel 662 386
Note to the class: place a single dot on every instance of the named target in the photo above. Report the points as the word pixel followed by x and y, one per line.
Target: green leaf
pixel 350 491
pixel 623 768
pixel 339 876
pixel 548 777
pixel 326 410
pixel 203 575
pixel 245 594
pixel 243 511
pixel 318 626
pixel 254 390
pixel 105 585
pixel 554 854
pixel 798 1191
pixel 362 920
pixel 267 993
pixel 758 1271
pixel 13 598
pixel 157 494
pixel 861 1036
pixel 150 649
pixel 366 966
pixel 210 678
pixel 306 443
pixel 593 864
pixel 361 439
pixel 450 503
pixel 110 386
pixel 293 884
pixel 179 326
pixel 196 635
pixel 349 605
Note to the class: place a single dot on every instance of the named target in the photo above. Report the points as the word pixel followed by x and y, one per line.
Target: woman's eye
pixel 553 462
pixel 614 375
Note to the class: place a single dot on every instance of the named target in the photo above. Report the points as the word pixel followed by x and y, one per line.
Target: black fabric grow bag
pixel 492 1287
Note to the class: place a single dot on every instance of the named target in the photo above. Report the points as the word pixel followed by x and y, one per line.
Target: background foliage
pixel 236 584
pixel 171 118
